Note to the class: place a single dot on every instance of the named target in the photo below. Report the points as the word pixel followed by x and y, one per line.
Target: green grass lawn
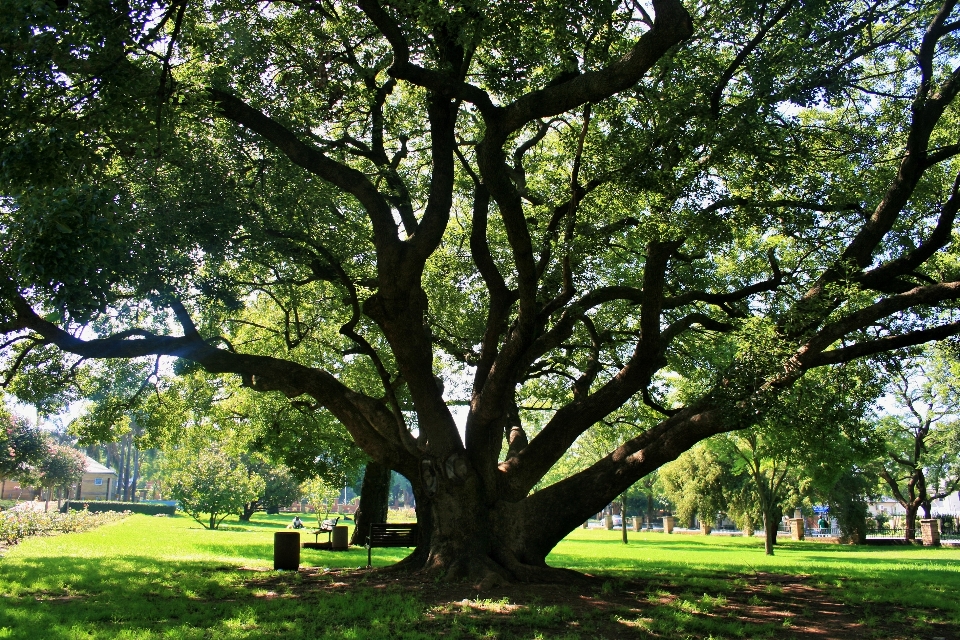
pixel 148 577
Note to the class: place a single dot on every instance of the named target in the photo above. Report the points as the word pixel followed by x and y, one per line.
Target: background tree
pixel 22 446
pixel 848 497
pixel 651 490
pixel 60 468
pixel 922 434
pixel 543 213
pixel 280 488
pixel 694 483
pixel 209 483
pixel 819 431
pixel 320 494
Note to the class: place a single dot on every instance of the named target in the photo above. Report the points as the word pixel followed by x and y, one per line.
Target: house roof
pixel 95 467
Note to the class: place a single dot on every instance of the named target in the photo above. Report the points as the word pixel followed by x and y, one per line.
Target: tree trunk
pixel 910 532
pixel 771 520
pixel 623 518
pixel 248 510
pixel 126 471
pixel 374 496
pixel 136 470
pixel 461 536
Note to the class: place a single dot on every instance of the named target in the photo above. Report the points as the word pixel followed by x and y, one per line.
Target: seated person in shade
pixel 297 522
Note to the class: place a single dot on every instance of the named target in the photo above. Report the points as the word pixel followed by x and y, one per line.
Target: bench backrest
pixel 383 534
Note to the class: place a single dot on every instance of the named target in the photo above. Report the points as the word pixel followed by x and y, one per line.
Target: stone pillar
pixel 608 522
pixel 930 532
pixel 668 524
pixel 637 523
pixel 796 528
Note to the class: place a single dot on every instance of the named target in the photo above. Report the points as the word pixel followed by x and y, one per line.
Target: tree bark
pixel 769 533
pixel 374 498
pixel 248 510
pixel 910 531
pixel 136 471
pixel 623 517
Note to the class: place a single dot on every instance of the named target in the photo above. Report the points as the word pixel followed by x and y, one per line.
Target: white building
pixel 887 505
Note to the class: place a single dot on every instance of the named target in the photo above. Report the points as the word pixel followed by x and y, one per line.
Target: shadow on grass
pixel 279 522
pixel 133 597
pixel 351 558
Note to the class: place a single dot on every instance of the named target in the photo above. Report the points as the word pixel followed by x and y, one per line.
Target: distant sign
pixel 820 508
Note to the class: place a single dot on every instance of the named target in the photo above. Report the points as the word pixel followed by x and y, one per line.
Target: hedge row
pixel 95 506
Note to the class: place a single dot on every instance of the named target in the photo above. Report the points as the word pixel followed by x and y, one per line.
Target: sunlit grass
pixel 148 577
pixel 910 575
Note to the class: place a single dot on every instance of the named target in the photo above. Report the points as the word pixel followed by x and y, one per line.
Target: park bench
pixel 384 534
pixel 325 527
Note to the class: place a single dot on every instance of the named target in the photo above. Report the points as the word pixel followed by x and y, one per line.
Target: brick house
pixel 98 483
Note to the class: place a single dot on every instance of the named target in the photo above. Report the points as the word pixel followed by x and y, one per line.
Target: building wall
pixel 89 489
pixel 11 490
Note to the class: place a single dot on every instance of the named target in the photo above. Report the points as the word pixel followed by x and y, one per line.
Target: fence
pixel 896 527
pixel 884 528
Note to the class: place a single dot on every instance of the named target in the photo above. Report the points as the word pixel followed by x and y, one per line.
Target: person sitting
pixel 297 522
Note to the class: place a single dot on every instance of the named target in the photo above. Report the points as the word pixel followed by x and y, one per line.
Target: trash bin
pixel 286 550
pixel 339 541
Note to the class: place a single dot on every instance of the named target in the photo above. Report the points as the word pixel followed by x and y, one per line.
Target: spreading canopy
pixel 650 214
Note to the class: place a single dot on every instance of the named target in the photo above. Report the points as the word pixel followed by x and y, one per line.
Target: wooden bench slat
pixel 382 534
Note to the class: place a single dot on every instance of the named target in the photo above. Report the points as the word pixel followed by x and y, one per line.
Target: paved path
pixel 31 505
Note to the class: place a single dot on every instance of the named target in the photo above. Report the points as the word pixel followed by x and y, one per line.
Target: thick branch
pixel 671 27
pixel 367 419
pixel 885 277
pixel 575 498
pixel 346 178
pixel 880 345
pixel 863 318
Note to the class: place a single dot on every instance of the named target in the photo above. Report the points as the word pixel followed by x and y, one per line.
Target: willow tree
pixel 536 216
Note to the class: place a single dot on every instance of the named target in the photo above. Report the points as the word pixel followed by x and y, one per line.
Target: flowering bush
pixel 16 525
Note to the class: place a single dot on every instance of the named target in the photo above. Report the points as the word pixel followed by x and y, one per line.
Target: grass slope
pixel 150 577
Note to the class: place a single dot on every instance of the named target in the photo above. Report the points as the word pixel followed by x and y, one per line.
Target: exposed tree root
pixel 483 571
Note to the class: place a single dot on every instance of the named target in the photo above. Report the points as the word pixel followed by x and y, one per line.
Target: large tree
pixel 537 216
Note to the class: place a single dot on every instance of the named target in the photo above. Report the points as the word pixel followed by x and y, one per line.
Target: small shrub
pixel 96 506
pixel 17 525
